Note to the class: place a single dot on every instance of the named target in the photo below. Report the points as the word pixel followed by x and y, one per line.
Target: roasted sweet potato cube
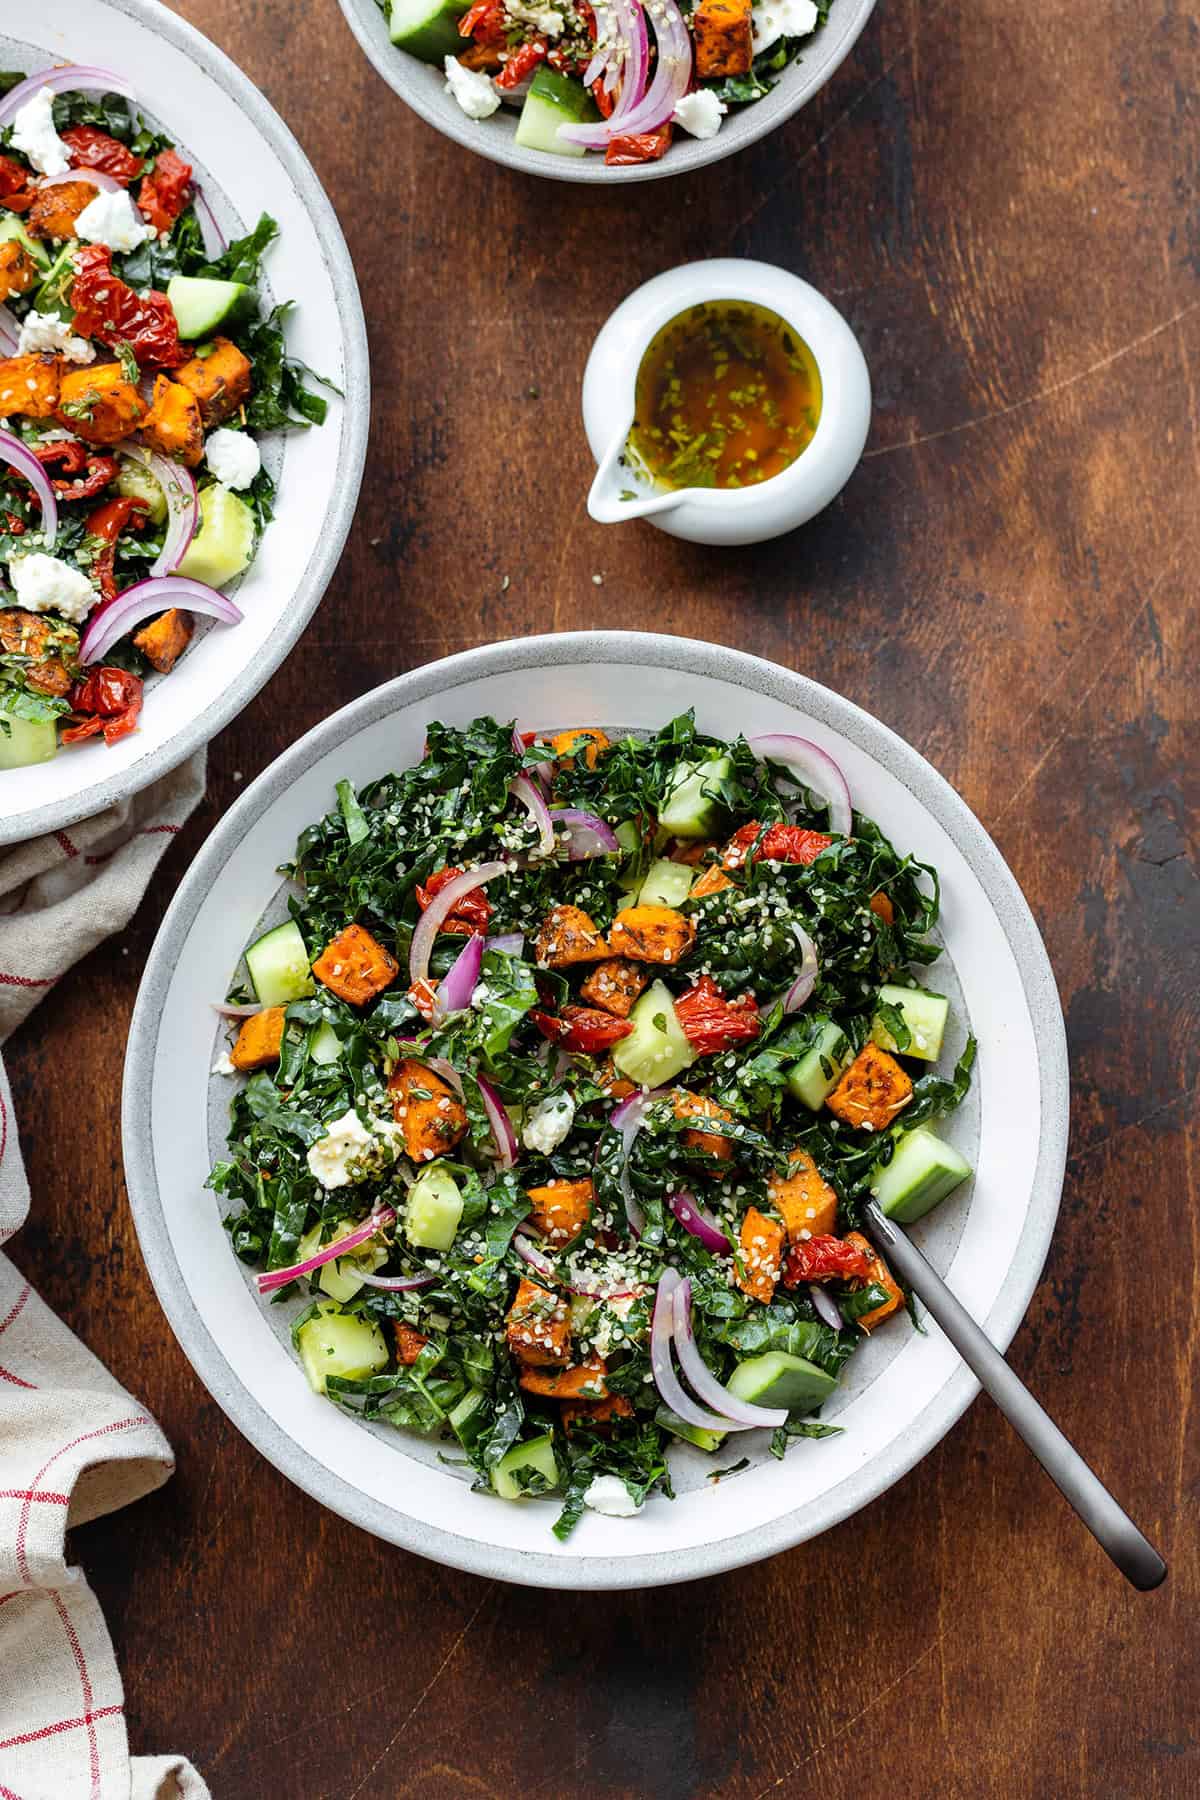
pixel 409 1342
pixel 699 1106
pixel 595 1415
pixel 653 934
pixel 713 881
pixel 173 424
pixel 568 935
pixel 882 1276
pixel 355 967
pixel 614 985
pixel 561 1209
pixel 538 1327
pixel 30 385
pixel 163 641
pixel 872 1091
pixel 581 1381
pixel 18 271
pixel 761 1244
pixel 724 37
pixel 431 1113
pixel 50 644
pixel 98 404
pixel 220 380
pixel 55 209
pixel 482 56
pixel 616 1086
pixel 260 1039
pixel 882 907
pixel 567 743
pixel 804 1201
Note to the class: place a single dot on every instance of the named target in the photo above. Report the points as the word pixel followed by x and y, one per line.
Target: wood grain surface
pixel 1005 205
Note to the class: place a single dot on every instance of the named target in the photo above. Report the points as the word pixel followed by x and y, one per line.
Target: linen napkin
pixel 73 1444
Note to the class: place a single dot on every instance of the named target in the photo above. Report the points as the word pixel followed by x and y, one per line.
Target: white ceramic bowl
pixel 247 162
pixel 422 86
pixel 746 515
pixel 902 1390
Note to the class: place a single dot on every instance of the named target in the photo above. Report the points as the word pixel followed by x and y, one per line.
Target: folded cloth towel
pixel 73 1444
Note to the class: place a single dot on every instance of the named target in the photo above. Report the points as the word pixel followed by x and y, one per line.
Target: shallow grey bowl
pixel 902 1391
pixel 422 86
pixel 246 162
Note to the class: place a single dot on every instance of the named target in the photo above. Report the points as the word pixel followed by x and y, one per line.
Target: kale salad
pixel 565 1083
pixel 139 366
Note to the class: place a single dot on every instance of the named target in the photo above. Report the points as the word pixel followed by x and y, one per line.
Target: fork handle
pixel 1108 1522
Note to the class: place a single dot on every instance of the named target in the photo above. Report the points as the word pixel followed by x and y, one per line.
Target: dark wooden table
pixel 1005 206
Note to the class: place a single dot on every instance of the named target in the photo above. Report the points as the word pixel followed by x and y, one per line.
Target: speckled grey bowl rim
pixel 111 790
pixel 425 685
pixel 494 137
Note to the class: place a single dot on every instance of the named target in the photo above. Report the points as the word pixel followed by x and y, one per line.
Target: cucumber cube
pixel 434 1210
pixel 202 304
pixel 534 1459
pixel 692 808
pixel 923 1170
pixel 691 1434
pixel 814 1077
pixel 925 1015
pixel 778 1379
pixel 324 1044
pixel 656 1050
pixel 279 966
pixel 224 543
pixel 336 1343
pixel 554 100
pixel 427 28
pixel 666 884
pixel 26 741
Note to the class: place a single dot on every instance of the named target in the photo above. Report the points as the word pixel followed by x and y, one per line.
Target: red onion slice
pixel 534 1257
pixel 806 980
pixel 648 111
pixel 587 835
pixel 825 1306
pixel 501 1124
pixel 628 1117
pixel 21 458
pixel 96 178
pixel 70 78
pixel 446 1070
pixel 277 1278
pixel 542 773
pixel 815 768
pixel 460 980
pixel 10 332
pixel 534 802
pixel 114 619
pixel 702 1225
pixel 512 943
pixel 395 1284
pixel 662 1329
pixel 742 1415
pixel 210 231
pixel 439 909
pixel 238 1012
pixel 183 506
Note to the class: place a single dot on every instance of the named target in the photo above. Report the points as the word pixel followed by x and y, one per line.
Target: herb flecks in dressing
pixel 728 394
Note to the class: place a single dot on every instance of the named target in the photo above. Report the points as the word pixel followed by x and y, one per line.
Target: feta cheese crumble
pixel 33 134
pixel 608 1494
pixel 232 456
pixel 46 331
pixel 548 1123
pixel 782 18
pixel 47 584
pixel 471 88
pixel 224 1064
pixel 111 219
pixel 349 1152
pixel 700 113
pixel 546 19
